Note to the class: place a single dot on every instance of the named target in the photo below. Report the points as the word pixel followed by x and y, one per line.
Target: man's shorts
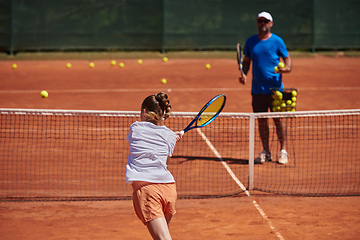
pixel 154 200
pixel 261 102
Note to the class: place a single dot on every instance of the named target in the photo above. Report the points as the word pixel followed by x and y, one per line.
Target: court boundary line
pixel 239 183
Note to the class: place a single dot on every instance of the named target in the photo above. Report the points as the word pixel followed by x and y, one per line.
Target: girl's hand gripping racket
pixel 239 60
pixel 207 114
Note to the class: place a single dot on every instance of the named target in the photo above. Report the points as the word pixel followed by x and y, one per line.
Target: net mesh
pixel 324 156
pixel 60 155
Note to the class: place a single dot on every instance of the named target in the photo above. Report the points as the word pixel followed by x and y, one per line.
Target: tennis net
pixel 67 155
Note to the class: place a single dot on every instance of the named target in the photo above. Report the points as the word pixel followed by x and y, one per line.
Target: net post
pixel 251 150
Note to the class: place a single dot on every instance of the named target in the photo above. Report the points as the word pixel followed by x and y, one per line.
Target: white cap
pixel 265 15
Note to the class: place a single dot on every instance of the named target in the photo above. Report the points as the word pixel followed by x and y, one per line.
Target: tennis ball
pixel 274 108
pixel 294 93
pixel 91 64
pixel 165 59
pixel 283 104
pixel 276 69
pixel 14 66
pixel 113 63
pixel 163 81
pixel 208 66
pixel 140 61
pixel 281 65
pixel 275 96
pixel 293 99
pixel 288 102
pixel 68 65
pixel 121 65
pixel 293 104
pixel 44 94
pixel 279 95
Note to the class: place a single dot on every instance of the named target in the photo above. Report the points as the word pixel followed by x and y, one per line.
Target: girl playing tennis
pixel 154 190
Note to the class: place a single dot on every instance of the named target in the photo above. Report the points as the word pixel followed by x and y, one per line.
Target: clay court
pixel 324 83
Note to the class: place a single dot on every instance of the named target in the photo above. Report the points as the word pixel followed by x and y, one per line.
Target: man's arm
pixel 246 65
pixel 287 67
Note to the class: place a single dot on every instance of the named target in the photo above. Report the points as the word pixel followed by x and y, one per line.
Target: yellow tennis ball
pixel 91 64
pixel 279 95
pixel 293 99
pixel 165 59
pixel 121 64
pixel 276 69
pixel 113 63
pixel 68 65
pixel 164 81
pixel 288 102
pixel 281 65
pixel 208 66
pixel 14 66
pixel 294 93
pixel 140 61
pixel 44 94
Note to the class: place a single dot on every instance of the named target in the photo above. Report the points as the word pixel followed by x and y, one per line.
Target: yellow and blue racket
pixel 208 113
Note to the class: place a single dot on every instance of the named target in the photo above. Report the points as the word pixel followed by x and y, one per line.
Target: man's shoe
pixel 284 157
pixel 263 157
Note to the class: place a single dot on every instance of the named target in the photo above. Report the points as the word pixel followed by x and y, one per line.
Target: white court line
pixel 267 220
pixel 217 154
pixel 257 206
pixel 170 90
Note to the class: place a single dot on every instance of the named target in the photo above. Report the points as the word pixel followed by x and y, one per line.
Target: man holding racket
pixel 264 50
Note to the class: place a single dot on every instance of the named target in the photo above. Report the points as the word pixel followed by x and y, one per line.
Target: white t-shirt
pixel 150 145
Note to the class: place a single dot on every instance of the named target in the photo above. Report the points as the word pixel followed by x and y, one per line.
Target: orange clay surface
pixel 324 83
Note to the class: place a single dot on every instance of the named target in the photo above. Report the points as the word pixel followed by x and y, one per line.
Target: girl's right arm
pixel 178 136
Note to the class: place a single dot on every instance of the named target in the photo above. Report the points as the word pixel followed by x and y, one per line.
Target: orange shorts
pixel 154 200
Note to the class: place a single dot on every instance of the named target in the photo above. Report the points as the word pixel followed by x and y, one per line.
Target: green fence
pixel 38 25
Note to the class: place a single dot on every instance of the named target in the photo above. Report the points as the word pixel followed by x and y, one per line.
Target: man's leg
pixel 261 103
pixel 264 133
pixel 281 132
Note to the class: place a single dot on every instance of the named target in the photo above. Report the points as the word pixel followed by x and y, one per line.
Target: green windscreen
pixel 36 25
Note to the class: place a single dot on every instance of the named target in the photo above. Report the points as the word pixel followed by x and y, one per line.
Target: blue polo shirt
pixel 265 55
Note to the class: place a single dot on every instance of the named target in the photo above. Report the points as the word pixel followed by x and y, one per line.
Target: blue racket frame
pixel 189 127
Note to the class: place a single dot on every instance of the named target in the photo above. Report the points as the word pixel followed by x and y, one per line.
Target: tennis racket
pixel 208 113
pixel 239 58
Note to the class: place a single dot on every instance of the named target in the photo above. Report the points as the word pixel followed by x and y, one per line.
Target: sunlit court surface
pixel 203 166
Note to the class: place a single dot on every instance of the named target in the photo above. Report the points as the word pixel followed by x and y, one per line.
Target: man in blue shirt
pixel 264 50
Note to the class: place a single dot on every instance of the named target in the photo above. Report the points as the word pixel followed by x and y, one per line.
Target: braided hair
pixel 157 106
